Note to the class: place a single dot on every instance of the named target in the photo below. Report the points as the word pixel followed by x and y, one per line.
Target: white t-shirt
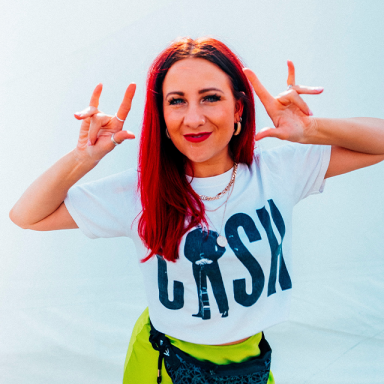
pixel 213 294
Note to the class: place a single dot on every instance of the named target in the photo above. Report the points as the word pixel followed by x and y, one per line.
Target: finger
pixel 87 112
pixel 125 106
pixel 96 96
pixel 302 89
pixel 291 97
pixel 119 137
pixel 291 73
pixel 269 132
pixel 93 104
pixel 83 136
pixel 264 96
pixel 97 121
pixel 123 135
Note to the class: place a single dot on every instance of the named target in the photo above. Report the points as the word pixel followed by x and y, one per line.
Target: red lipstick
pixel 197 138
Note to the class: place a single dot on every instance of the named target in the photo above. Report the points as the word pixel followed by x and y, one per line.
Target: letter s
pixel 249 261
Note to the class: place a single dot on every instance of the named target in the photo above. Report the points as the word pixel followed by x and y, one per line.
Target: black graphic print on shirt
pixel 242 253
pixel 276 249
pixel 178 287
pixel 202 250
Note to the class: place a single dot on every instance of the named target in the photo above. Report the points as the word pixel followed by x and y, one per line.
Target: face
pixel 200 112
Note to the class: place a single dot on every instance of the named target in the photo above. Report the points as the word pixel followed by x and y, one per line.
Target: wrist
pixel 314 133
pixel 82 159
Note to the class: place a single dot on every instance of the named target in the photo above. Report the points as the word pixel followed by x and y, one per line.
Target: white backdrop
pixel 67 303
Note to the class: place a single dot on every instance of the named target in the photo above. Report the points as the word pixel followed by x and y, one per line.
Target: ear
pixel 239 107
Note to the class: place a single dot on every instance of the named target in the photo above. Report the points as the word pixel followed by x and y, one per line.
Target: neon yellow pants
pixel 141 362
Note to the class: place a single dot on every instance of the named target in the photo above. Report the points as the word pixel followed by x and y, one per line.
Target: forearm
pixel 48 191
pixel 360 134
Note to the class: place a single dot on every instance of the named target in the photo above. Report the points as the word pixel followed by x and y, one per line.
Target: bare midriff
pixel 234 342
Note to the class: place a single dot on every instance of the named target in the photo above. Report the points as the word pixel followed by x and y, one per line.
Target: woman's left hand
pixel 289 113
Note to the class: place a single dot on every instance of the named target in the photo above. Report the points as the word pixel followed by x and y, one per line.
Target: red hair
pixel 170 207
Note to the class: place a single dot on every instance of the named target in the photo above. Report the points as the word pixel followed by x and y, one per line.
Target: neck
pixel 209 169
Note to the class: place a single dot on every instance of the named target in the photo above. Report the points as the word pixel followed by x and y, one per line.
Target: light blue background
pixel 67 303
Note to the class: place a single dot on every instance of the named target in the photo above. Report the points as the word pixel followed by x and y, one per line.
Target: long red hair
pixel 170 207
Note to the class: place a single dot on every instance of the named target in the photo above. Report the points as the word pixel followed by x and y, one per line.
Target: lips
pixel 197 138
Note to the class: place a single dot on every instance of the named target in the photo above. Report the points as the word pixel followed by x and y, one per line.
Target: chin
pixel 198 158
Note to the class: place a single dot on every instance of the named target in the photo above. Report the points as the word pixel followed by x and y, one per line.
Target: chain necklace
pixel 225 190
pixel 222 240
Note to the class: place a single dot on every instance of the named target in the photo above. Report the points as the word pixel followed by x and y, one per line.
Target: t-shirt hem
pixel 319 185
pixel 77 218
pixel 207 340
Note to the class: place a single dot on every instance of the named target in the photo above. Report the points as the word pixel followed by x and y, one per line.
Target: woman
pixel 204 205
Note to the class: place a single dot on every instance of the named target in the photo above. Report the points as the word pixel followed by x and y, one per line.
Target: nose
pixel 194 117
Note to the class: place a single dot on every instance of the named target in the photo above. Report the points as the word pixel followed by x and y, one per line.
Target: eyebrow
pixel 200 91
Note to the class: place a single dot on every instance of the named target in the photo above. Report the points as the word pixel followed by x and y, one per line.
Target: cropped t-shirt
pixel 216 294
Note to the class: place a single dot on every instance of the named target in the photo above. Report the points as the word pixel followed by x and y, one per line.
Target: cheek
pixel 225 113
pixel 224 119
pixel 166 116
pixel 172 119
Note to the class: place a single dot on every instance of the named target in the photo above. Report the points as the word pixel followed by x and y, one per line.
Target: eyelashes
pixel 208 98
pixel 175 101
pixel 212 98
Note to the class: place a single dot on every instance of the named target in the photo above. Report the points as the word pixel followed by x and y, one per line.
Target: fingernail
pixel 89 143
pixel 319 89
pixel 310 113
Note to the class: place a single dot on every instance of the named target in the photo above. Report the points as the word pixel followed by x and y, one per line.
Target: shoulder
pixel 289 154
pixel 122 185
pixel 126 180
pixel 105 207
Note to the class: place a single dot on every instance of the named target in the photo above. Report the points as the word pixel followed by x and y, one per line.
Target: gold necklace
pixel 222 240
pixel 225 190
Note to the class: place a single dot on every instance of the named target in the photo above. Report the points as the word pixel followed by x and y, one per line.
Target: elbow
pixel 16 220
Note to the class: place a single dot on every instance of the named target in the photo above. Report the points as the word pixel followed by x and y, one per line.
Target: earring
pixel 238 127
pixel 167 133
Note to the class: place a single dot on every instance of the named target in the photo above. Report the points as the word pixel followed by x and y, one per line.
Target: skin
pixel 198 98
pixel 356 142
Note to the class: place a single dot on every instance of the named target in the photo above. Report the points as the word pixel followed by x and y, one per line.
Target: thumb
pixel 87 112
pixel 268 132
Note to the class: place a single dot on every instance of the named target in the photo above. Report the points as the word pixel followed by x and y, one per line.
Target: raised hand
pixel 97 128
pixel 289 113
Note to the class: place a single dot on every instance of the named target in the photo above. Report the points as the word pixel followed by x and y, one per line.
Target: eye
pixel 175 101
pixel 212 98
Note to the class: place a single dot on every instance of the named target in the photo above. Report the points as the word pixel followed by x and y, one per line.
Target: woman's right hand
pixel 97 128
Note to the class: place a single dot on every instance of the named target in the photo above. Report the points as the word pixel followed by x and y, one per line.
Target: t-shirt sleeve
pixel 299 168
pixel 105 207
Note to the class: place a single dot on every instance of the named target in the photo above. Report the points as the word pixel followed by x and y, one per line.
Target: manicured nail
pixel 319 89
pixel 89 143
pixel 310 113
